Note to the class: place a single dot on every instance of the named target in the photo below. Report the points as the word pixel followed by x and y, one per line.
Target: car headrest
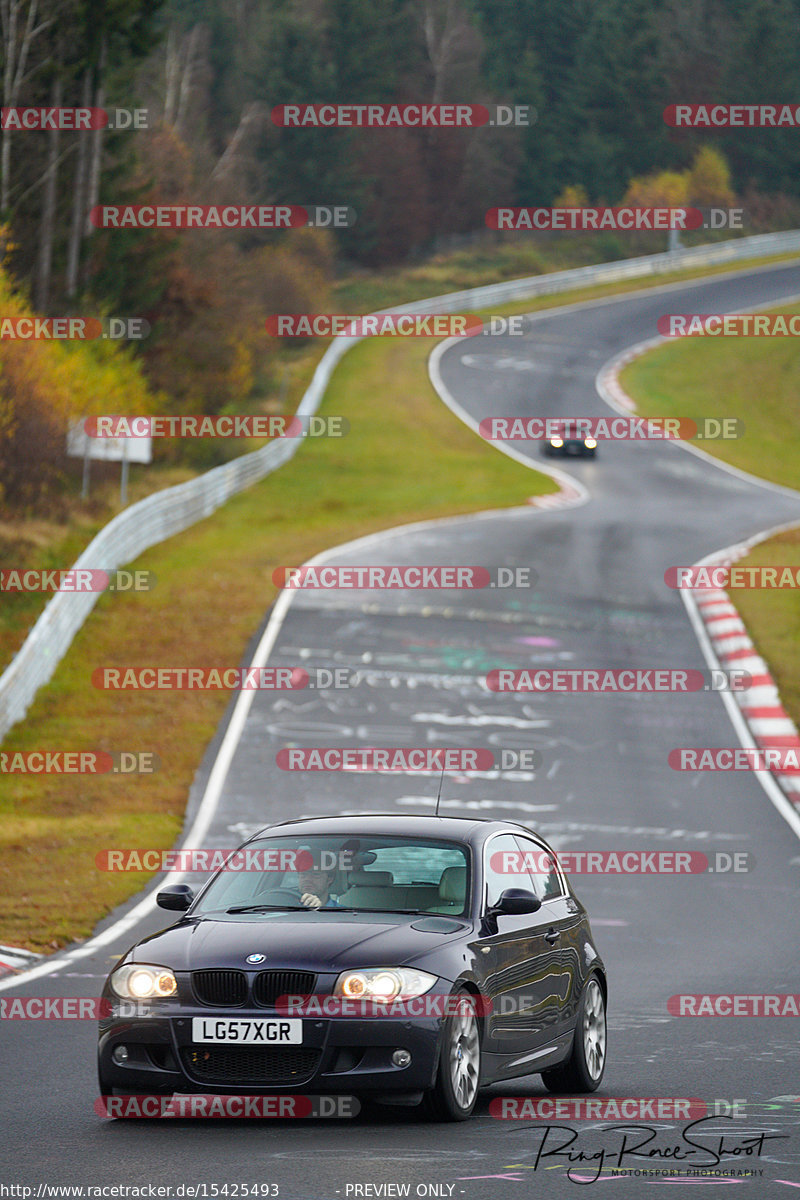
pixel 370 878
pixel 453 884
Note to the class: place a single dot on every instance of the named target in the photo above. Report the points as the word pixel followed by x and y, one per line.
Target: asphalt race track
pixel 604 784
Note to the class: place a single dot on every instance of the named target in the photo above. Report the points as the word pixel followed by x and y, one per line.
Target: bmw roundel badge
pixel 255 958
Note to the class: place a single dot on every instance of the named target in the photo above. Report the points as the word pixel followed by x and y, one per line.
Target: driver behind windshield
pixel 315 884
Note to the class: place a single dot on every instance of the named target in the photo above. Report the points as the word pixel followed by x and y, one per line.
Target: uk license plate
pixel 243 1031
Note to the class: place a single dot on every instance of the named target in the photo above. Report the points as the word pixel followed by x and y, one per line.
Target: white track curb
pixel 767 720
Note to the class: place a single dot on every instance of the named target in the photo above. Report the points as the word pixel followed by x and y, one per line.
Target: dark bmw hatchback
pixel 570 440
pixel 402 959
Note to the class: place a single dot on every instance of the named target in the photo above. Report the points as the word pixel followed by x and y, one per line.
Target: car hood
pixel 310 941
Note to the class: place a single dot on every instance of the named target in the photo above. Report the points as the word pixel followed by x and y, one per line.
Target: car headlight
pixel 383 984
pixel 589 443
pixel 556 441
pixel 137 982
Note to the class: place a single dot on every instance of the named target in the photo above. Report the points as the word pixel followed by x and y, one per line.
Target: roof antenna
pixel 439 796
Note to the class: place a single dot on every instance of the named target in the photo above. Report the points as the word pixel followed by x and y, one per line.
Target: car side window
pixel 502 868
pixel 544 876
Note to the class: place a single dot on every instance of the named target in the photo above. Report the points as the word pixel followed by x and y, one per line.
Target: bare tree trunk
pixel 44 262
pixel 14 59
pixel 436 43
pixel 78 198
pixel 179 70
pixel 172 68
pixel 186 77
pixel 96 146
pixel 253 115
pixel 95 162
pixel 449 39
pixel 10 13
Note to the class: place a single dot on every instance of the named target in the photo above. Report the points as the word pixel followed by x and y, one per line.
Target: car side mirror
pixel 176 896
pixel 514 902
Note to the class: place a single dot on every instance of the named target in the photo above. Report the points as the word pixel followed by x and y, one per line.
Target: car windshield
pixel 325 873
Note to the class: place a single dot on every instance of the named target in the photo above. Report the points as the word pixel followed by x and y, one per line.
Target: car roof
pixel 466 829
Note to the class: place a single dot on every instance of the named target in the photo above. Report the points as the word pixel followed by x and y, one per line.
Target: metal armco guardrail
pixel 174 509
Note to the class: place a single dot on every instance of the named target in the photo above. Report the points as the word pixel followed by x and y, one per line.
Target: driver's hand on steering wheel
pixel 310 900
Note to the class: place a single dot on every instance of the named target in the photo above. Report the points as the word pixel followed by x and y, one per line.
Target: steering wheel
pixel 282 895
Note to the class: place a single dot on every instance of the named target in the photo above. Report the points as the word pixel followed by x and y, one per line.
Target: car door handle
pixel 552 936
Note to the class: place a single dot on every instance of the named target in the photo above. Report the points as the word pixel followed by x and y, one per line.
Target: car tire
pixel 453 1096
pixel 583 1070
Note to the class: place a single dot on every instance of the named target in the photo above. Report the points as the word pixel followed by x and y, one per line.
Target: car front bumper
pixel 338 1055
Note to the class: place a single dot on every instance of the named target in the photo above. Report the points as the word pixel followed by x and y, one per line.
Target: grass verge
pixel 773 617
pixel 756 380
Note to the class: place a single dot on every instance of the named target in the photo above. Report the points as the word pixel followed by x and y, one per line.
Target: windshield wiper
pixel 387 912
pixel 243 908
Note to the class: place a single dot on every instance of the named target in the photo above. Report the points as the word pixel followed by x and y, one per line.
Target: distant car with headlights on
pixel 405 959
pixel 569 440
